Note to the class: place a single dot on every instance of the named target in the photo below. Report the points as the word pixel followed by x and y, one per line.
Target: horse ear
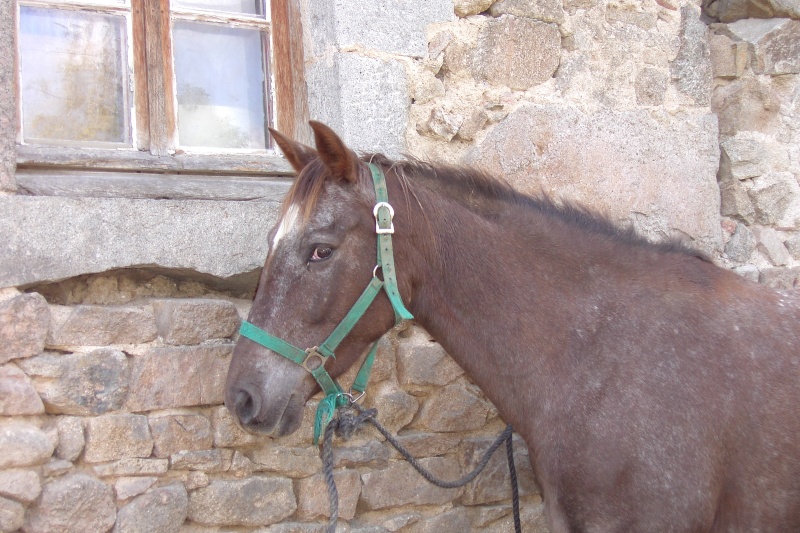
pixel 341 161
pixel 297 154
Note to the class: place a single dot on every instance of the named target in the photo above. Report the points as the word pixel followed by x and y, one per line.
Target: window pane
pixel 73 75
pixel 248 7
pixel 220 78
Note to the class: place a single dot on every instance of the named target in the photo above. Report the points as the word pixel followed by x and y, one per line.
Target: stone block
pixel 545 10
pixel 290 462
pixel 112 437
pixel 24 322
pixel 517 52
pixel 70 437
pixel 421 361
pixel 312 495
pixel 17 395
pixel 80 383
pixel 780 278
pixel 72 503
pixel 399 484
pixel 473 123
pixel 56 467
pixel 691 68
pixel 132 467
pixel 175 432
pixel 229 435
pixel 775 44
pixel 216 460
pixel 23 444
pixel 771 245
pixel 128 487
pixel 256 501
pixel 494 483
pixel 100 325
pixel 741 244
pixel 163 378
pixel 12 515
pixel 465 8
pixel 776 198
pixel 735 201
pixel 728 58
pixel 192 321
pixel 793 245
pixel 651 86
pixel 743 156
pixel 441 123
pixel 196 480
pixel 619 162
pixel 733 10
pixel 749 272
pixel 453 520
pixel 427 444
pixel 396 408
pixel 162 510
pixel 747 104
pixel 372 454
pixel 456 407
pixel 20 485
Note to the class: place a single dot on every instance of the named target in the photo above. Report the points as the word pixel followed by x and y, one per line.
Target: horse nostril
pixel 247 404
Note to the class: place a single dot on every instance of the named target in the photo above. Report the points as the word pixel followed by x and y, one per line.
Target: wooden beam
pixel 289 68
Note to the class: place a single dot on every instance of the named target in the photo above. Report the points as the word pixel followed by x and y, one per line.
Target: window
pixel 159 88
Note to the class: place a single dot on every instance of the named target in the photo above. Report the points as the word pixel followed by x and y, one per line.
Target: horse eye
pixel 321 253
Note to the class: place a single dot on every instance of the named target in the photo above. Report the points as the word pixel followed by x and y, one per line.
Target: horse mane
pixel 482 193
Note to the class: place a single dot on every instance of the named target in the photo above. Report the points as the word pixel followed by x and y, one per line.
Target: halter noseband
pixel 314 359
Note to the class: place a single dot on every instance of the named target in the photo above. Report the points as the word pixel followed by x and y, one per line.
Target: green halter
pixel 314 359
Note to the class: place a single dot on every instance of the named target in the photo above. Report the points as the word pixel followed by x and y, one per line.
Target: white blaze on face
pixel 288 222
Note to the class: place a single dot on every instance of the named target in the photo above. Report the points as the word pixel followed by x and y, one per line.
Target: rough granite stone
pixel 399 484
pixel 99 325
pixel 192 321
pixel 771 245
pixel 776 198
pixel 70 437
pixel 619 162
pixel 20 485
pixel 24 322
pixel 216 460
pixel 74 503
pixel 285 461
pixel 452 520
pixel 17 394
pixel 728 58
pixel 202 371
pixel 747 104
pixel 161 510
pixel 372 454
pixel 132 467
pixel 741 244
pixel 733 10
pixel 775 44
pixel 421 361
pixel 176 432
pixel 456 407
pixel 427 444
pixel 780 278
pixel 80 383
pixel 8 100
pixel 12 515
pixel 650 86
pixel 220 238
pixel 23 444
pixel 494 483
pixel 396 407
pixel 544 10
pixel 128 487
pixel 517 52
pixel 465 8
pixel 256 501
pixel 112 437
pixel 312 495
pixel 691 69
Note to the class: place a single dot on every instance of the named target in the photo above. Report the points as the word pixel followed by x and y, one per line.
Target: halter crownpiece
pixel 314 359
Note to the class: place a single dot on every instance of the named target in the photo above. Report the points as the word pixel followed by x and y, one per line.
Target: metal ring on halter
pixel 353 398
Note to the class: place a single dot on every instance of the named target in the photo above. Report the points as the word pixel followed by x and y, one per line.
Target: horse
pixel 655 390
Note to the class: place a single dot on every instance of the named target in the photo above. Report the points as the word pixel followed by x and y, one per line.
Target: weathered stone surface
pixel 425 86
pixel 256 501
pixel 24 322
pixel 80 383
pixel 732 10
pixel 73 503
pixel 473 123
pixel 743 156
pixel 228 435
pixel 175 432
pixel 12 515
pixel 98 325
pixel 216 460
pixel 112 437
pixel 776 44
pixel 427 444
pixel 17 395
pixel 291 462
pixel 70 437
pixel 161 510
pixel 517 52
pixel 741 244
pixel 56 467
pixel 372 454
pixel 441 123
pixel 628 14
pixel 776 198
pixel 423 361
pixel 202 371
pixel 453 408
pixel 465 8
pixel 128 487
pixel 453 520
pixel 370 110
pixel 192 321
pixel 396 407
pixel 8 98
pixel 619 162
pixel 312 495
pixel 545 10
pixel 747 104
pixel 691 69
pixel 494 483
pixel 793 245
pixel 23 444
pixel 771 245
pixel 133 467
pixel 399 484
pixel 196 480
pixel 780 278
pixel 650 86
pixel 20 485
pixel 749 272
pixel 735 201
pixel 728 58
pixel 221 238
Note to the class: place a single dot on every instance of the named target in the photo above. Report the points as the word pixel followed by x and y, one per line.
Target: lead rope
pixel 347 422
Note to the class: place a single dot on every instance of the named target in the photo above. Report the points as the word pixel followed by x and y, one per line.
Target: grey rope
pixel 347 422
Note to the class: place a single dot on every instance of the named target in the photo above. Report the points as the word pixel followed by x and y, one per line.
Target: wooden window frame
pixel 39 166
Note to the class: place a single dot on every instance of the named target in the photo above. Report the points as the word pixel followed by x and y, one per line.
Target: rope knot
pixel 349 421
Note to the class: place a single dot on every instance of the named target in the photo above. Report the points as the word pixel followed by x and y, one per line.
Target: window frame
pixel 155 151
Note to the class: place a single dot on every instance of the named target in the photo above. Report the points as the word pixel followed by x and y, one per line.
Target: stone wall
pixel 681 121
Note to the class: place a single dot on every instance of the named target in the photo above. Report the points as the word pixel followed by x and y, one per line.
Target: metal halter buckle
pixel 378 229
pixel 310 363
